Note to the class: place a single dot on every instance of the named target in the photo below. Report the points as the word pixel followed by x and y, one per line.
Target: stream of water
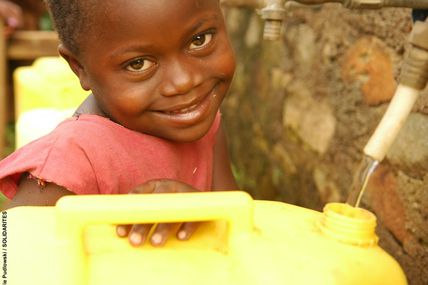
pixel 361 178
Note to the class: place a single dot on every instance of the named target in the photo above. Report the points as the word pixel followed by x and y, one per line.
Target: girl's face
pixel 160 67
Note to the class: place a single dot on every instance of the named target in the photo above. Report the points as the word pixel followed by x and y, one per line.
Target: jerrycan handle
pixel 233 206
pixel 74 213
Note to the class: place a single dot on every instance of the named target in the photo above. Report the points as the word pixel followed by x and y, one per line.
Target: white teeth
pixel 184 110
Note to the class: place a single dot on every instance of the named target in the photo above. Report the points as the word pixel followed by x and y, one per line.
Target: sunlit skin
pixel 159 67
pixel 167 74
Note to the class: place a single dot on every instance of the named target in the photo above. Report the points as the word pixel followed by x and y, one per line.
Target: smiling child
pixel 158 71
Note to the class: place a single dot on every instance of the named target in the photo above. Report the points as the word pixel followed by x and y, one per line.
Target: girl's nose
pixel 179 78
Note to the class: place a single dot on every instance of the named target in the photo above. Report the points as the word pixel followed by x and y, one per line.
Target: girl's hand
pixel 138 234
pixel 12 16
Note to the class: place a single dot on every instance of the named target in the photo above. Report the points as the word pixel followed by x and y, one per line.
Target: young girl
pixel 158 72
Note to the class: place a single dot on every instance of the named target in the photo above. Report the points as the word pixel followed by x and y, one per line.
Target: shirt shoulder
pixel 59 157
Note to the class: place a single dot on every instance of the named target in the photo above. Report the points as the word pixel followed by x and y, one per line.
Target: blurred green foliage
pixel 10 139
pixel 2 200
pixel 45 22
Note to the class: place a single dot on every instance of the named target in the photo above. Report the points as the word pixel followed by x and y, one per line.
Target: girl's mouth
pixel 190 114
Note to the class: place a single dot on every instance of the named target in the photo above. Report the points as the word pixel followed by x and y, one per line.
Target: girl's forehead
pixel 160 6
pixel 154 23
pixel 147 12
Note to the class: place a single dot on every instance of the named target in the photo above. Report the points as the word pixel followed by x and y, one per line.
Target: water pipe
pixel 273 11
pixel 414 78
pixel 371 4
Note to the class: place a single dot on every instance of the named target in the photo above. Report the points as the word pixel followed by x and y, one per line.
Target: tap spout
pixel 273 15
pixel 413 79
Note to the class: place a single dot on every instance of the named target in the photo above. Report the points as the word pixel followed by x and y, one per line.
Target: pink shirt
pixel 93 155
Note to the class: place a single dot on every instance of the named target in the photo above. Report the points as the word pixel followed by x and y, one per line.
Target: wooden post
pixel 3 90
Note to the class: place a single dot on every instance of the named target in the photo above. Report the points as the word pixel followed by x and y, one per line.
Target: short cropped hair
pixel 71 20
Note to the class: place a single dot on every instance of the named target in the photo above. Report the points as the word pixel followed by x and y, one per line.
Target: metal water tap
pixel 273 15
pixel 415 68
pixel 271 11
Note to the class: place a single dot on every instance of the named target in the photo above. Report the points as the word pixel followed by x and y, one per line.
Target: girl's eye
pixel 201 40
pixel 140 65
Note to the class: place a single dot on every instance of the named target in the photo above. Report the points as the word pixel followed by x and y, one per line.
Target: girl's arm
pixel 222 180
pixel 222 172
pixel 31 194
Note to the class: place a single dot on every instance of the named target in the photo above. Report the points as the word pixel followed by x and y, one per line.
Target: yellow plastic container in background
pixel 245 242
pixel 35 123
pixel 47 84
pixel 46 93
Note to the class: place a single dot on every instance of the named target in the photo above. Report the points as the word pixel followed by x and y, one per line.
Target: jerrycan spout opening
pixel 348 224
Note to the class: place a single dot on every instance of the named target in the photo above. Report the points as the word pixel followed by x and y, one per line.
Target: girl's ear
pixel 75 65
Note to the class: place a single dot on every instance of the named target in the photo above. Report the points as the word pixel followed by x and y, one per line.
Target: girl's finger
pixel 146 188
pixel 186 230
pixel 162 233
pixel 11 13
pixel 163 186
pixel 123 230
pixel 139 233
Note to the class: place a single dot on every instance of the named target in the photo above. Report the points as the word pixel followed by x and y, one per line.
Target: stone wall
pixel 301 110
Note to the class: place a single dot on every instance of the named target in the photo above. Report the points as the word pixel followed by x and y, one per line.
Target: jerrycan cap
pixel 349 224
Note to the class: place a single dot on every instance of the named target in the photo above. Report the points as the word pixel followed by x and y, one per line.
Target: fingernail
pixel 157 239
pixel 135 239
pixel 120 231
pixel 12 22
pixel 182 235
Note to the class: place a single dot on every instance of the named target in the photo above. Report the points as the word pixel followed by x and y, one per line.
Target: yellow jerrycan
pixel 48 83
pixel 242 241
pixel 46 93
